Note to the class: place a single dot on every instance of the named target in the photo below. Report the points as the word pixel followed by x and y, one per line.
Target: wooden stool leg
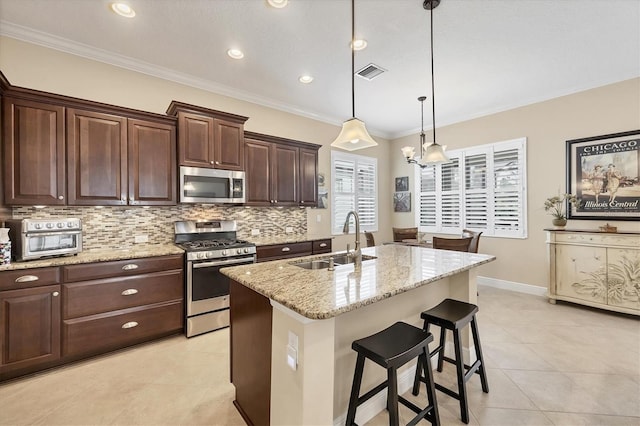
pixel 355 391
pixel 476 344
pixel 460 370
pixel 418 376
pixel 431 390
pixel 392 397
pixel 443 335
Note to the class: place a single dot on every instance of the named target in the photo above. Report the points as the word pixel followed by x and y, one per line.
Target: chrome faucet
pixel 356 255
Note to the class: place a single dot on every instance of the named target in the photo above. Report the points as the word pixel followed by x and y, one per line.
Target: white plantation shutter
pixel 482 189
pixel 355 187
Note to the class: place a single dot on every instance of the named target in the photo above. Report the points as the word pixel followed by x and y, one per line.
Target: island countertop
pixel 321 294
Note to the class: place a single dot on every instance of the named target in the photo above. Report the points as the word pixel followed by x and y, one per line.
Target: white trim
pixel 513 286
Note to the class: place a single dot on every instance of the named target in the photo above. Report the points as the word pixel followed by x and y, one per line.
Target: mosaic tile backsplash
pixel 116 227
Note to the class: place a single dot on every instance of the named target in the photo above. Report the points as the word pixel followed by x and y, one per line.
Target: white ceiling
pixel 490 55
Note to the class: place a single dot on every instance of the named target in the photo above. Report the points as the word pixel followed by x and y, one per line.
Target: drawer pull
pixel 323 245
pixel 129 292
pixel 26 278
pixel 129 267
pixel 129 324
pixel 286 249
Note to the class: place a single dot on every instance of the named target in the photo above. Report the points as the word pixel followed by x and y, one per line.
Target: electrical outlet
pixel 289 230
pixel 318 218
pixel 255 232
pixel 138 239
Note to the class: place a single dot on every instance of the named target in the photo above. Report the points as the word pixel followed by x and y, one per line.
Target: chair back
pixel 400 234
pixel 370 241
pixel 455 244
pixel 475 242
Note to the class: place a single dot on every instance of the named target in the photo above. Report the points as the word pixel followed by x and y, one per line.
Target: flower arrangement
pixel 555 205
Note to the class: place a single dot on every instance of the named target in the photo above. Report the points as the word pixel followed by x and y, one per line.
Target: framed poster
pixel 603 172
pixel 402 184
pixel 402 202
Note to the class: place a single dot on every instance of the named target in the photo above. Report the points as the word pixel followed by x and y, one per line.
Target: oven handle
pixel 223 262
pixel 49 234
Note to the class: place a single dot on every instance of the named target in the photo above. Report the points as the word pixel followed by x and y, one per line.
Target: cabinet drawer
pixel 98 333
pixel 92 271
pixel 279 251
pixel 25 278
pixel 110 294
pixel 322 246
pixel 615 240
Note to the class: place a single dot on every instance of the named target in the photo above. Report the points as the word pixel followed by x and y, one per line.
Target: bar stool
pixel 391 348
pixel 454 315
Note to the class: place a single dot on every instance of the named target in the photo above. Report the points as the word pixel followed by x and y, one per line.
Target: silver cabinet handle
pixel 129 292
pixel 212 162
pixel 129 267
pixel 123 199
pixel 55 294
pixel 323 244
pixel 129 324
pixel 217 162
pixel 27 278
pixel 60 197
pixel 286 249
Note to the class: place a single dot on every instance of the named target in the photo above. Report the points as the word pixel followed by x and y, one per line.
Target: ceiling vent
pixel 369 72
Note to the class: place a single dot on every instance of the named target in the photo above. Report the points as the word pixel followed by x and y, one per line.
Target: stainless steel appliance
pixel 210 245
pixel 200 185
pixel 36 238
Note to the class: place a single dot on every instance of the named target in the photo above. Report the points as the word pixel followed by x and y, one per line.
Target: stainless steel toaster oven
pixel 36 238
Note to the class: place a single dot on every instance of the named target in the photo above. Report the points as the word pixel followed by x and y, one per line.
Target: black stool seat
pixel 392 348
pixel 454 315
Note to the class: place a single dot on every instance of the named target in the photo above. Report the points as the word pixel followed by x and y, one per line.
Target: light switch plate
pixel 292 358
pixel 138 239
pixel 289 230
pixel 255 232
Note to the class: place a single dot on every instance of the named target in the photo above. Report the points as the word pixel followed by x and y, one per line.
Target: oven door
pixel 40 244
pixel 207 288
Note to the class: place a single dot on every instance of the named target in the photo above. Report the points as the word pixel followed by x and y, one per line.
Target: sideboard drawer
pixel 26 278
pixel 604 239
pixel 110 294
pixel 98 333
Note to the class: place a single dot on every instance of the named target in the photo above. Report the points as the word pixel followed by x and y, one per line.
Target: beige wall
pixel 546 125
pixel 40 68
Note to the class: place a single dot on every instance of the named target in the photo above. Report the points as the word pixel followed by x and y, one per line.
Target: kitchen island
pixel 292 328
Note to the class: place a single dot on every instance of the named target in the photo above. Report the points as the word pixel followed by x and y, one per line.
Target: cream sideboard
pixel 595 269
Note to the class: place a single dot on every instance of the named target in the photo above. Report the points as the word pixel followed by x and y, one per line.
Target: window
pixel 483 189
pixel 355 187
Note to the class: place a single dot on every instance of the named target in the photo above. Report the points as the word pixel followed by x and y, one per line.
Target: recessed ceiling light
pixel 359 44
pixel 278 4
pixel 235 53
pixel 306 79
pixel 123 9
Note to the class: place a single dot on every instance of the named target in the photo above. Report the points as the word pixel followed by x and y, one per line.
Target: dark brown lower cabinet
pixel 29 328
pixel 251 353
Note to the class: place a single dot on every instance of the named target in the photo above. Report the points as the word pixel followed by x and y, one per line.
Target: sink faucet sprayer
pixel 356 254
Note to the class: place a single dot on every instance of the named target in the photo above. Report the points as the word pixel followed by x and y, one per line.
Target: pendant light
pixel 432 153
pixel 354 134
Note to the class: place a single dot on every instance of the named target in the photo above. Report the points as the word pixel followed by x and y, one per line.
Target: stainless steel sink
pixel 323 263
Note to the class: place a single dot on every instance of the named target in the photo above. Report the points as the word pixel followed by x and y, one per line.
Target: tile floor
pixel 547 365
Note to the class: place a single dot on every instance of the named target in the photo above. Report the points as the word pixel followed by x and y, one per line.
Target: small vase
pixel 559 222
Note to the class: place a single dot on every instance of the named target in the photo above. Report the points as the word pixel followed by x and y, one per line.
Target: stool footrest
pixel 422 413
pixel 471 370
pixel 373 392
pixel 448 391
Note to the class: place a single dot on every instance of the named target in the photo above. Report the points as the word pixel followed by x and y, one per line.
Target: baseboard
pixel 513 286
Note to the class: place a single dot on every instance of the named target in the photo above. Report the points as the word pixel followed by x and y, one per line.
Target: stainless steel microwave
pixel 214 186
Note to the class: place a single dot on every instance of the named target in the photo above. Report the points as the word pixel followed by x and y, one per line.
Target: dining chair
pixel 455 244
pixel 400 234
pixel 370 240
pixel 475 242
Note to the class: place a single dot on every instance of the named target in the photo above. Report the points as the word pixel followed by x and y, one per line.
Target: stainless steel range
pixel 209 245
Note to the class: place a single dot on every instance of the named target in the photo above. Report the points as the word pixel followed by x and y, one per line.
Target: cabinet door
pixel 97 158
pixel 228 150
pixel 258 175
pixel 308 177
pixel 581 272
pixel 284 175
pixel 34 164
pixel 623 272
pixel 152 163
pixel 195 140
pixel 29 327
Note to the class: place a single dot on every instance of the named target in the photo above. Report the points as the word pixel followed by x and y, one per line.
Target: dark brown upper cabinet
pixel 209 138
pixel 280 172
pixel 34 147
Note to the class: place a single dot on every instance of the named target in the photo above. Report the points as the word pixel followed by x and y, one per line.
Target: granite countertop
pixel 284 239
pixel 88 256
pixel 321 294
